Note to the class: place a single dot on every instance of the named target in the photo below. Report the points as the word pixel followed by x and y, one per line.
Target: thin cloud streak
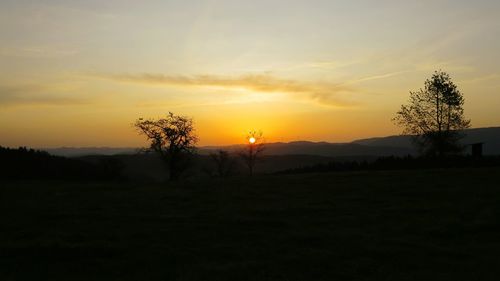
pixel 26 95
pixel 376 77
pixel 38 52
pixel 490 77
pixel 320 92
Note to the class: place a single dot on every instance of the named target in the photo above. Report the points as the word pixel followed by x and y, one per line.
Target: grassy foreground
pixel 395 225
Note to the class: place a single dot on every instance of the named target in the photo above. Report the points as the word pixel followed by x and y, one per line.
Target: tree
pixel 434 116
pixel 223 162
pixel 173 138
pixel 252 150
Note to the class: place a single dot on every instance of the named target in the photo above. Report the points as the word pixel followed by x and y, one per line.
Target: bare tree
pixel 252 150
pixel 435 116
pixel 173 138
pixel 223 162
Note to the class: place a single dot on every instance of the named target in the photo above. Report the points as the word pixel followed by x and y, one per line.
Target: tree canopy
pixel 173 137
pixel 435 116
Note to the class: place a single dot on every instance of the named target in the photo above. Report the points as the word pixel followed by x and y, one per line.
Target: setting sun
pixel 249 140
pixel 72 77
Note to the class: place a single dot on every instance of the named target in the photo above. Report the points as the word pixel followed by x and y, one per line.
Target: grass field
pixel 394 225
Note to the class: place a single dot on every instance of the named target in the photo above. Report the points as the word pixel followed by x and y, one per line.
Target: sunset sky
pixel 79 73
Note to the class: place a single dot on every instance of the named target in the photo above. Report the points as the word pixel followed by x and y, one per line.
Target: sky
pixel 79 73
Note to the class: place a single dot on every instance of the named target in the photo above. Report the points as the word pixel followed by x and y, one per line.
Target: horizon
pixel 249 140
pixel 79 73
pixel 242 143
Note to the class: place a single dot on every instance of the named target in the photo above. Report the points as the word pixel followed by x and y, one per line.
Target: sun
pixel 251 140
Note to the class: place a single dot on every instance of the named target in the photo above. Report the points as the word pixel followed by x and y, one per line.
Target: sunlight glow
pixel 251 140
pixel 232 64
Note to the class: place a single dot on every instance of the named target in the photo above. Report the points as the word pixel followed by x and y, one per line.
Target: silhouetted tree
pixel 435 116
pixel 25 163
pixel 252 150
pixel 173 138
pixel 223 162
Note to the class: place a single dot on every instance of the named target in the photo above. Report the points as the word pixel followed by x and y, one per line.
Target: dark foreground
pixel 404 225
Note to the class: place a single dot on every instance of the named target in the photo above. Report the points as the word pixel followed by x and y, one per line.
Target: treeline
pixel 398 163
pixel 24 163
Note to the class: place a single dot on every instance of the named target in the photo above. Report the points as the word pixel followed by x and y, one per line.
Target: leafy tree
pixel 435 116
pixel 252 150
pixel 173 138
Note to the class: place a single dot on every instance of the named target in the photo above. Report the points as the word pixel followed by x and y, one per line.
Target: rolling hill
pixel 490 137
pixel 371 147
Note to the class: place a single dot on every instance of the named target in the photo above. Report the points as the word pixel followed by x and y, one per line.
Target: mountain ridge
pixel 397 145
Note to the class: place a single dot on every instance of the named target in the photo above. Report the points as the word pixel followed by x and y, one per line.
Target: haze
pixel 78 73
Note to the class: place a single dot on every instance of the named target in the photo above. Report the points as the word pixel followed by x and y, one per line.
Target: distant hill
pixel 277 156
pixel 85 151
pixel 489 136
pixel 324 149
pixel 359 149
pixel 149 167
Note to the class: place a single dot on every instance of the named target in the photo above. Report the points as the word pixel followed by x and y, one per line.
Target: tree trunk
pixel 173 169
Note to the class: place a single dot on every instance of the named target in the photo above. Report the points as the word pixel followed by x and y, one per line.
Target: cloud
pixel 33 94
pixel 321 92
pixel 38 52
pixel 484 78
pixel 377 77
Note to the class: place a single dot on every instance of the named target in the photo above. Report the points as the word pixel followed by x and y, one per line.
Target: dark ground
pixel 394 225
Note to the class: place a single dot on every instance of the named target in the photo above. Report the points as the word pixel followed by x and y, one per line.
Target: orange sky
pixel 80 73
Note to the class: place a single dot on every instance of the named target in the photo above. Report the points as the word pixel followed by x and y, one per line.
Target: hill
pixel 364 148
pixel 325 149
pixel 24 163
pixel 85 151
pixel 489 136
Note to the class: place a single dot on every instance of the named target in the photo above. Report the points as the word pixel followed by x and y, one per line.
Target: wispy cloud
pixel 322 92
pixel 484 78
pixel 22 95
pixel 38 52
pixel 376 77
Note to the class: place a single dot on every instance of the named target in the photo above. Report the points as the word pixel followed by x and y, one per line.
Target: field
pixel 391 225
